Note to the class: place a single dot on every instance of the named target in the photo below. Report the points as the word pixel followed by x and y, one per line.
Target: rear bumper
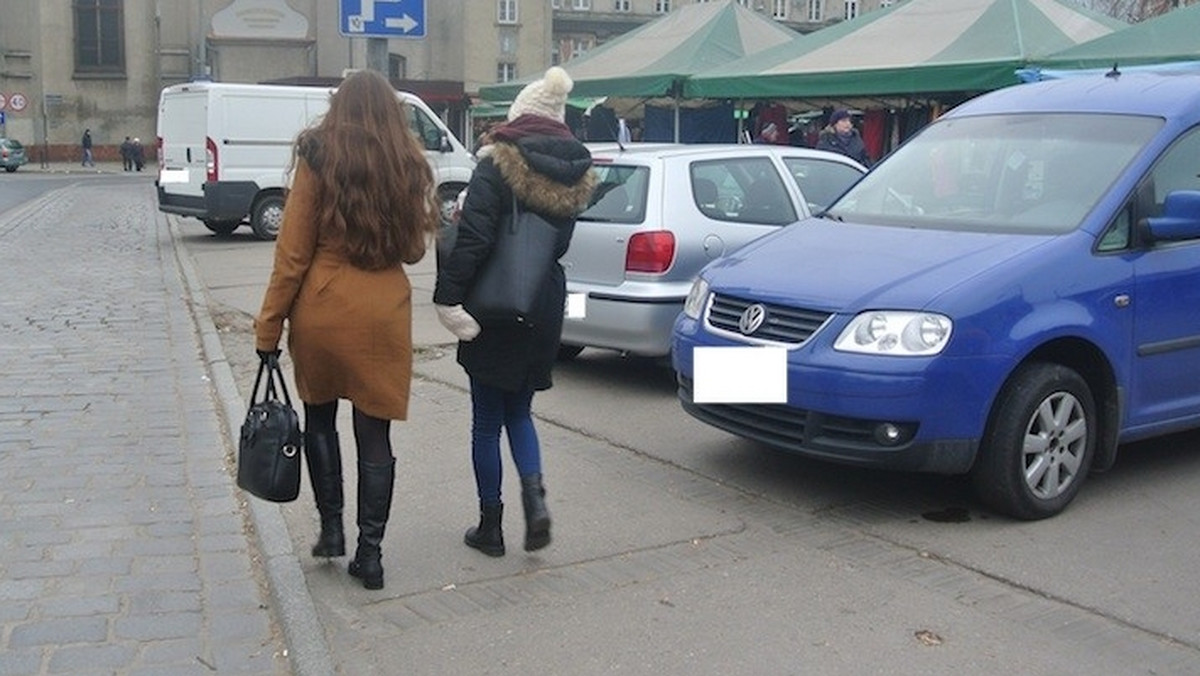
pixel 638 326
pixel 221 201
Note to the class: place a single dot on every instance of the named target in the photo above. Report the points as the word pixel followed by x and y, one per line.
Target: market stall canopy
pixel 653 59
pixel 1167 38
pixel 912 48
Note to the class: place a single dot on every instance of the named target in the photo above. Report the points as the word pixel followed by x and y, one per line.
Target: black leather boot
pixel 537 517
pixel 324 459
pixel 375 484
pixel 487 537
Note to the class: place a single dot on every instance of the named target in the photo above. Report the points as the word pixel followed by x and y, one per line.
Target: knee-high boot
pixel 375 485
pixel 487 537
pixel 324 459
pixel 537 517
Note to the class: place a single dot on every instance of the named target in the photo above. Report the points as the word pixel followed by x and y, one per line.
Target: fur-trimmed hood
pixel 549 175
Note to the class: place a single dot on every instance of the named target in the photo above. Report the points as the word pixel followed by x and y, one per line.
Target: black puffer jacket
pixel 550 175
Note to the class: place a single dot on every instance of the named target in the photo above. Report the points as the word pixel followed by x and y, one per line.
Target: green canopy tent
pixel 1167 38
pixel 653 60
pixel 915 47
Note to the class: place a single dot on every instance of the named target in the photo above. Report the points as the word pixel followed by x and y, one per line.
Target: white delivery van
pixel 224 150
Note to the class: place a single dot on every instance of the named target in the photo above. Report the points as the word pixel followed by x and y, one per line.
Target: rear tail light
pixel 158 151
pixel 210 159
pixel 650 252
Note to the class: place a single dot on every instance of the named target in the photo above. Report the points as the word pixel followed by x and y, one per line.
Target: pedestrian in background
pixel 841 137
pixel 127 154
pixel 362 203
pixel 534 157
pixel 86 143
pixel 138 153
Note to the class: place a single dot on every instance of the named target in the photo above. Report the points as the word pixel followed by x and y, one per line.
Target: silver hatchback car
pixel 661 212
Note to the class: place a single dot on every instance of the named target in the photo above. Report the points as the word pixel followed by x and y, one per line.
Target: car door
pixel 1166 303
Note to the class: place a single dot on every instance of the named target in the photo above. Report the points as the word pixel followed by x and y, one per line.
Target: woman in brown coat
pixel 361 204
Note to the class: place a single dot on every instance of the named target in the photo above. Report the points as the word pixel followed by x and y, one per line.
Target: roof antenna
pixel 1114 72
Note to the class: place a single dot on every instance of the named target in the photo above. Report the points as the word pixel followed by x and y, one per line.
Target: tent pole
pixel 677 118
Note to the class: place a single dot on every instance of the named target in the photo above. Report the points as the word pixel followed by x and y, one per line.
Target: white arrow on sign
pixel 405 23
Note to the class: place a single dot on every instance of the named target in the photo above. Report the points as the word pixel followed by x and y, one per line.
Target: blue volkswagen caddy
pixel 1011 295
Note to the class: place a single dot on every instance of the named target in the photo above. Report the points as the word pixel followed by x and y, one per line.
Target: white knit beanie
pixel 546 97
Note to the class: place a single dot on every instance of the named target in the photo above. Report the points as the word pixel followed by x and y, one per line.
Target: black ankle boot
pixel 375 484
pixel 487 537
pixel 325 472
pixel 537 517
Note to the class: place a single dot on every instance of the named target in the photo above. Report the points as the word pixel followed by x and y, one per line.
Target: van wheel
pixel 222 227
pixel 266 217
pixel 1040 443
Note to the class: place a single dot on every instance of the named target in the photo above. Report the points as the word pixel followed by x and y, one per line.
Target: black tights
pixel 370 434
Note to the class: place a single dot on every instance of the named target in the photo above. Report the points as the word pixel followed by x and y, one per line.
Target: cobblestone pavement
pixel 123 541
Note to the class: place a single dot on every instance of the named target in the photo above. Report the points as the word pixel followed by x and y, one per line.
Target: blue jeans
pixel 491 410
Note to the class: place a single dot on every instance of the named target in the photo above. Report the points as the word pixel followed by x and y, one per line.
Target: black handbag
pixel 269 447
pixel 510 283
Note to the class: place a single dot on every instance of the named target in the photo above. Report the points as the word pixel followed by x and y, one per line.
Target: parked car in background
pixel 660 212
pixel 12 154
pixel 1011 294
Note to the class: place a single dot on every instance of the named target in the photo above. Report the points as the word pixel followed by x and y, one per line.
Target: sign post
pixel 382 18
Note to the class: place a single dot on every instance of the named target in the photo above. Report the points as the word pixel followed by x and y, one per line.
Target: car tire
pixel 222 228
pixel 568 352
pixel 10 169
pixel 1040 443
pixel 267 216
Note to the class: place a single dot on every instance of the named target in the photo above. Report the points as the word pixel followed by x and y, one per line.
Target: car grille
pixel 788 427
pixel 781 324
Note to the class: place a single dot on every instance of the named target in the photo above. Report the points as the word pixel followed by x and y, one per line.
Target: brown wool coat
pixel 349 330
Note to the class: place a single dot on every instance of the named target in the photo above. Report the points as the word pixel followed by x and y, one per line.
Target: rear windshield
pixel 1035 173
pixel 620 196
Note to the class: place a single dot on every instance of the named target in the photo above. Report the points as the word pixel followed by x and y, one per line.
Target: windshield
pixel 1038 173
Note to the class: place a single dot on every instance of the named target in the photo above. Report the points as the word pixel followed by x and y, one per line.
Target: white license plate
pixel 739 375
pixel 173 176
pixel 576 307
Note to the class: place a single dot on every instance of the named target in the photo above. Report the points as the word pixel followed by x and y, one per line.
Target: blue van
pixel 1011 295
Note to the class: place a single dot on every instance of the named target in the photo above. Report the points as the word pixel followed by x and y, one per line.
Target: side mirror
pixel 1180 217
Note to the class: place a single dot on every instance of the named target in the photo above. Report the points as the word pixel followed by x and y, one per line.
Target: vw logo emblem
pixel 752 318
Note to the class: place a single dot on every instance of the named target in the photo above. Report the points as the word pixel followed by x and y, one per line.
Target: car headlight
pixel 697 296
pixel 896 333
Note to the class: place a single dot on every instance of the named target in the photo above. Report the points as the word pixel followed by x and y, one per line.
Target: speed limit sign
pixel 17 102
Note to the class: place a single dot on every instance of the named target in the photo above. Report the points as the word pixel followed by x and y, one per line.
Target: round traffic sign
pixel 17 102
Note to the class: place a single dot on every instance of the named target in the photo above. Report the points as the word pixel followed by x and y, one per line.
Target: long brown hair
pixel 374 186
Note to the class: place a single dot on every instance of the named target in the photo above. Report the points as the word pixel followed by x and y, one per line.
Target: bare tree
pixel 1132 11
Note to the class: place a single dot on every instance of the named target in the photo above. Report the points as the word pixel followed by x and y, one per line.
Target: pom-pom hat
pixel 839 115
pixel 546 97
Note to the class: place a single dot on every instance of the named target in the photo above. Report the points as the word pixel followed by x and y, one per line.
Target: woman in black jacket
pixel 536 158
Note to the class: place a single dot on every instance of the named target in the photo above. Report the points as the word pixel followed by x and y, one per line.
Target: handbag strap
pixel 275 385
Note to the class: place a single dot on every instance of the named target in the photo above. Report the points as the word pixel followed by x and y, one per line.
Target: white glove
pixel 458 321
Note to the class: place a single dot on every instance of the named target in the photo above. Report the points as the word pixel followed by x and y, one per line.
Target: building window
pixel 397 67
pixel 508 41
pixel 883 4
pixel 622 6
pixel 506 11
pixel 99 36
pixel 555 4
pixel 578 47
pixel 662 6
pixel 581 4
pixel 744 3
pixel 816 11
pixel 779 9
pixel 851 9
pixel 506 72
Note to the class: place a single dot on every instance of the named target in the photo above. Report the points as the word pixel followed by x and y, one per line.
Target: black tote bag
pixel 269 447
pixel 508 286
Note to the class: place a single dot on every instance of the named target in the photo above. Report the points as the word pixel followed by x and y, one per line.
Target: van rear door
pixel 182 122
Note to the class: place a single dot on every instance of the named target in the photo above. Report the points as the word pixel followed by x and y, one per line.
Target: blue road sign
pixel 382 18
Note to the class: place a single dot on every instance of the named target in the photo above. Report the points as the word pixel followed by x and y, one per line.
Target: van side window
pixel 425 128
pixel 1177 169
